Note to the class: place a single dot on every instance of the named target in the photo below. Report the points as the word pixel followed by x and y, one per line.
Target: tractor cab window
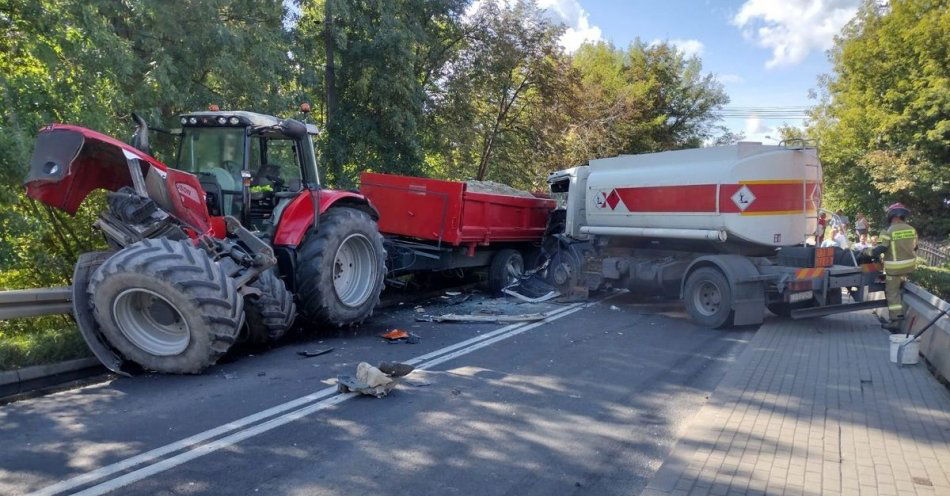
pixel 274 165
pixel 216 156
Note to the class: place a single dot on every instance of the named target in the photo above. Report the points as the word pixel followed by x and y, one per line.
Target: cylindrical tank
pixel 767 196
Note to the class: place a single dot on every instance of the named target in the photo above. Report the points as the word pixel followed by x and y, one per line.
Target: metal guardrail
pixel 35 302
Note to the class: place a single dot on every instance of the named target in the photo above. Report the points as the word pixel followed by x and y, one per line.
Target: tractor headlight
pixel 192 120
pixel 222 120
pixel 234 121
pixel 184 120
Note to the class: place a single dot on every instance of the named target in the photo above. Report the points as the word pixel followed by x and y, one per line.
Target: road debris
pixel 615 308
pixel 451 317
pixel 373 381
pixel 314 353
pixel 452 293
pixel 420 309
pixel 395 334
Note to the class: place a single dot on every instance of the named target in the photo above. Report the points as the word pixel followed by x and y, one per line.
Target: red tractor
pixel 226 245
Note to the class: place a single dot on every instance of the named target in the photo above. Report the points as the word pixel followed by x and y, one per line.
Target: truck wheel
pixel 166 306
pixel 270 315
pixel 708 298
pixel 506 267
pixel 341 269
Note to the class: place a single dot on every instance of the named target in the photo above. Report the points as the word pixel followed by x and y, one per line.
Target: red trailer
pixel 431 225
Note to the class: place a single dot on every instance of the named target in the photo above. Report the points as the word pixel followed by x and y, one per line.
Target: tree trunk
pixel 329 44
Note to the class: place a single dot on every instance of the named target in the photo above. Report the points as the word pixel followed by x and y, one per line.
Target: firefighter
pixel 898 245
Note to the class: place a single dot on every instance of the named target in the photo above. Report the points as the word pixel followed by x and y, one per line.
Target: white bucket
pixel 911 352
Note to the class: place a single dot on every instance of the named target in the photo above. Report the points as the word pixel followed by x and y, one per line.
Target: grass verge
pixel 39 341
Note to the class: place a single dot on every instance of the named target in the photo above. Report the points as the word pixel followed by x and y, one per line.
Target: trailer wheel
pixel 166 306
pixel 270 315
pixel 506 267
pixel 341 269
pixel 708 298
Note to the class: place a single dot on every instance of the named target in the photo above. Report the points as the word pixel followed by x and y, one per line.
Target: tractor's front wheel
pixel 271 313
pixel 166 305
pixel 341 269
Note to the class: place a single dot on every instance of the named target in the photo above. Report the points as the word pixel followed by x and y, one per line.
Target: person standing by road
pixel 898 245
pixel 861 227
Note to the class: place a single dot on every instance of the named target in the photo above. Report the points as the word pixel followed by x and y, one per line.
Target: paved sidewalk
pixel 814 407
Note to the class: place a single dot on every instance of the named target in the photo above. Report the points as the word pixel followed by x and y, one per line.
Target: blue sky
pixel 767 53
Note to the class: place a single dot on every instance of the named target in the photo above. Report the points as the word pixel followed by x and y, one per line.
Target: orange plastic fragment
pixel 396 334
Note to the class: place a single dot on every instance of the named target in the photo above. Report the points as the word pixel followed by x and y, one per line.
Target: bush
pixel 933 279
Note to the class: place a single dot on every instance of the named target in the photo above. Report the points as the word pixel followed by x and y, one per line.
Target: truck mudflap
pixel 88 328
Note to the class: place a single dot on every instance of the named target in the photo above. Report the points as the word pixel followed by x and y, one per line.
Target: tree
pixel 644 99
pixel 884 119
pixel 493 105
pixel 379 59
pixel 92 64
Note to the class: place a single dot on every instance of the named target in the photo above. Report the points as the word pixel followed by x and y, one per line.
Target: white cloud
pixel 688 47
pixel 793 28
pixel 754 127
pixel 575 19
pixel 730 78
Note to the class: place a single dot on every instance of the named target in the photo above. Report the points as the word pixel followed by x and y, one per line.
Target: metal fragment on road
pixel 451 317
pixel 315 353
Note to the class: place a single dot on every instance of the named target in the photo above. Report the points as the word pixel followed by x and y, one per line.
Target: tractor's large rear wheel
pixel 166 305
pixel 340 270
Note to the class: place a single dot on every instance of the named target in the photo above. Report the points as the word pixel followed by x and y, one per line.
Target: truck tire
pixel 708 298
pixel 341 268
pixel 166 306
pixel 269 315
pixel 506 267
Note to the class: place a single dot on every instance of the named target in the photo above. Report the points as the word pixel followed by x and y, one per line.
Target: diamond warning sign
pixel 743 198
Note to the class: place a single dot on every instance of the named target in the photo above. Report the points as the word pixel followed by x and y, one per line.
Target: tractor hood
pixel 69 162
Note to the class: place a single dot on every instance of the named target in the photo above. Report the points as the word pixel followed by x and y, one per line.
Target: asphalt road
pixel 588 402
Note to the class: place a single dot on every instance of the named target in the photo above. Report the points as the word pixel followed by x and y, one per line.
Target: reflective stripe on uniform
pixel 895 308
pixel 899 264
pixel 904 234
pixel 883 238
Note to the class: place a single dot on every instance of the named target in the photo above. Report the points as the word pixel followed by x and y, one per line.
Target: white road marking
pixel 449 352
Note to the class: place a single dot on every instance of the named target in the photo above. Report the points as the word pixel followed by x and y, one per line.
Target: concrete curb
pixel 43 371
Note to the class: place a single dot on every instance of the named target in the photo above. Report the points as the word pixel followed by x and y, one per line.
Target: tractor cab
pixel 250 165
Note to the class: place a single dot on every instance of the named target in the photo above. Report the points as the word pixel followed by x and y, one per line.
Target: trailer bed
pixel 445 212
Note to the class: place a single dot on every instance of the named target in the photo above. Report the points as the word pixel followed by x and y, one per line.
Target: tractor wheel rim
pixel 707 298
pixel 354 270
pixel 151 322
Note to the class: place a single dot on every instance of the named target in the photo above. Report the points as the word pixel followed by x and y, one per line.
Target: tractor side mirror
pixel 140 137
pixel 293 128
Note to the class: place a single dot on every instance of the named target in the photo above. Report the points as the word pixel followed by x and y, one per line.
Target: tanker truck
pixel 723 228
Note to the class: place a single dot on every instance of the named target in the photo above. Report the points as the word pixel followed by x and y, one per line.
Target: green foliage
pixel 401 86
pixel 884 123
pixel 933 279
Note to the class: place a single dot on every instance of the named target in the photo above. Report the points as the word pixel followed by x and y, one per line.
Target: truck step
pixel 804 313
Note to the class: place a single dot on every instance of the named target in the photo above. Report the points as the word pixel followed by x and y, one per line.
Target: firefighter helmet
pixel 897 210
